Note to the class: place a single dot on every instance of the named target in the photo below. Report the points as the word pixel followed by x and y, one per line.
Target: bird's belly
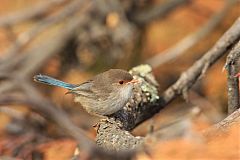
pixel 101 107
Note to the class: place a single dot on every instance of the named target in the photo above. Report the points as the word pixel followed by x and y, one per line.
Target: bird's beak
pixel 134 81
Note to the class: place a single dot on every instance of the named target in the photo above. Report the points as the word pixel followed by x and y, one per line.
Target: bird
pixel 102 95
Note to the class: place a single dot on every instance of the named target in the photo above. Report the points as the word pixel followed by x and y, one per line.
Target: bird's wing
pixel 101 90
pixel 84 89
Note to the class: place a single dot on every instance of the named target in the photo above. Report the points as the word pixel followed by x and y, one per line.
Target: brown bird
pixel 104 94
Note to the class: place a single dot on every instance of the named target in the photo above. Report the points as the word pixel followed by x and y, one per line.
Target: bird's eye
pixel 121 82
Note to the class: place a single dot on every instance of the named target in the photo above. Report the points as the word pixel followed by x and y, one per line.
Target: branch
pixel 8 158
pixel 28 13
pixel 224 125
pixel 35 57
pixel 146 102
pixel 182 46
pixel 37 103
pixel 24 38
pixel 233 81
pixel 195 72
pixel 146 16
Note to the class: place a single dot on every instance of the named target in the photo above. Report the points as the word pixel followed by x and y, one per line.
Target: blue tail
pixel 52 81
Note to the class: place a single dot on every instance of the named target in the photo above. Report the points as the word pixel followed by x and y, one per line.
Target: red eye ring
pixel 121 82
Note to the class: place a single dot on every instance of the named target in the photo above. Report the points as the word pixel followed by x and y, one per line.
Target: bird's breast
pixel 106 104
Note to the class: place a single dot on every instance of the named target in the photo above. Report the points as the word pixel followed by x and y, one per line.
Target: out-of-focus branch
pixel 8 158
pixel 24 38
pixel 17 79
pixel 148 15
pixel 29 13
pixel 192 39
pixel 36 56
pixel 48 110
pixel 223 125
pixel 232 68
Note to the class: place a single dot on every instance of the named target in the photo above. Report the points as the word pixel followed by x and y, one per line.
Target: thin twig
pixel 182 46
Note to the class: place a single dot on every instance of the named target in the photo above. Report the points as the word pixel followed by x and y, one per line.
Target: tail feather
pixel 52 81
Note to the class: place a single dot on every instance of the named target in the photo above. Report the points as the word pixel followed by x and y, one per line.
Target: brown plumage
pixel 104 94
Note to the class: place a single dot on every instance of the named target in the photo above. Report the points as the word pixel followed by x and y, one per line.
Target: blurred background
pixel 73 40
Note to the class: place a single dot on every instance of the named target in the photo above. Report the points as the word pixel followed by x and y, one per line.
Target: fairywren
pixel 103 95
